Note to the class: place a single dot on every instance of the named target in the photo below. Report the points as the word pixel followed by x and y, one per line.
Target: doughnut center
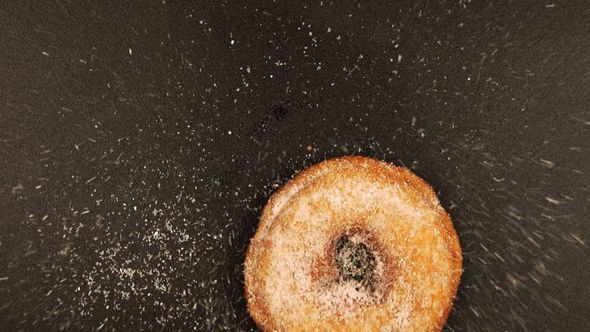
pixel 355 261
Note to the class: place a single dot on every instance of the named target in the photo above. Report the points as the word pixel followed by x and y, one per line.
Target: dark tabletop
pixel 139 142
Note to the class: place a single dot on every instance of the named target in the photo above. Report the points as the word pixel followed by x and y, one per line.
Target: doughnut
pixel 353 244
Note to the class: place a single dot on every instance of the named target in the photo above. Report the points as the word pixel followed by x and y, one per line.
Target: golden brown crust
pixel 288 202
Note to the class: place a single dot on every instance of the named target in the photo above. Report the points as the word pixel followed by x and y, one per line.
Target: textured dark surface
pixel 139 142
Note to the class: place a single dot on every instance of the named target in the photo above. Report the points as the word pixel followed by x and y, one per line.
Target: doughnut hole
pixel 353 271
pixel 355 261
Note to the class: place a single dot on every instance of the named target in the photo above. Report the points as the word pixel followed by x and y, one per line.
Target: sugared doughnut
pixel 353 244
